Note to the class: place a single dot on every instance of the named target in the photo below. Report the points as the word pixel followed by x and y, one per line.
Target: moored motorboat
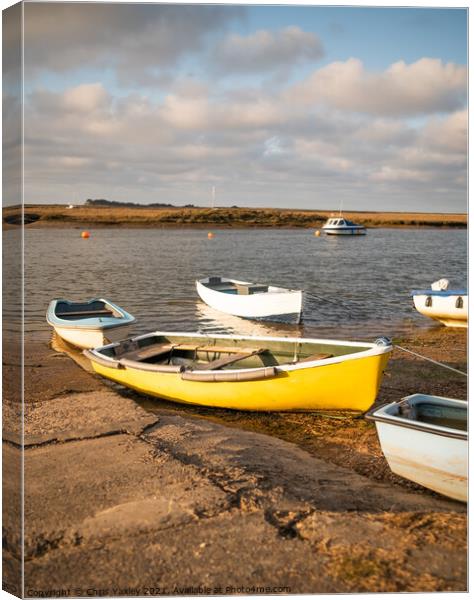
pixel 251 300
pixel 442 304
pixel 424 439
pixel 89 324
pixel 341 226
pixel 247 373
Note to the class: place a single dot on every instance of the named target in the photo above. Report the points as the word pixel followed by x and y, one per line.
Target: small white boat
pixel 341 226
pixel 251 300
pixel 89 324
pixel 446 306
pixel 424 439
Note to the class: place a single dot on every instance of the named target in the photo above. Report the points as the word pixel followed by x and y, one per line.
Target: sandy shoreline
pixel 125 492
pixel 39 216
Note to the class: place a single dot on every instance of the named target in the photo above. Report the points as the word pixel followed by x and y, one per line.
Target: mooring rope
pixel 430 360
pixel 324 299
pixel 339 302
pixel 346 306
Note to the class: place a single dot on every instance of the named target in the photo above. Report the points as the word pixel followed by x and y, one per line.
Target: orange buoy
pixel 317 233
pixel 210 235
pixel 85 235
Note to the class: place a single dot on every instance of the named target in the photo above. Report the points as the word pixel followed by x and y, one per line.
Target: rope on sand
pixel 430 360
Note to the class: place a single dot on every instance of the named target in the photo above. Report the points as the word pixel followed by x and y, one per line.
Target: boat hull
pixel 345 231
pixel 92 338
pixel 346 385
pixel 433 456
pixel 442 307
pixel 438 467
pixel 281 306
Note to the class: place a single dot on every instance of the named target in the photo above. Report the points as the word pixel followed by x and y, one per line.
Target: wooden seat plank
pixel 156 350
pixel 151 351
pixel 315 357
pixel 85 313
pixel 216 349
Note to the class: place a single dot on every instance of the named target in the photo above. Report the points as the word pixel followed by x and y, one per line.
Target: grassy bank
pixel 60 216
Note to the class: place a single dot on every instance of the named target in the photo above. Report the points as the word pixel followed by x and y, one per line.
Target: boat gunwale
pixel 373 349
pixel 380 414
pixel 55 321
pixel 227 279
pixel 442 293
pixel 98 327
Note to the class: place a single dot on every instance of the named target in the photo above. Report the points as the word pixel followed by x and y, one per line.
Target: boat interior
pixel 454 417
pixel 231 287
pixel 72 311
pixel 221 353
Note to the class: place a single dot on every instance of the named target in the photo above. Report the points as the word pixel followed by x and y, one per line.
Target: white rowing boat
pixel 424 439
pixel 89 324
pixel 442 304
pixel 251 300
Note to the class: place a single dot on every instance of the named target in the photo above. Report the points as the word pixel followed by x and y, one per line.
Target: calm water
pixel 359 287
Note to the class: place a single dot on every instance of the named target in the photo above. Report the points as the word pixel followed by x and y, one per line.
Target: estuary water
pixel 357 288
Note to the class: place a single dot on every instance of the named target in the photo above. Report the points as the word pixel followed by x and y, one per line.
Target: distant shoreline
pixel 54 216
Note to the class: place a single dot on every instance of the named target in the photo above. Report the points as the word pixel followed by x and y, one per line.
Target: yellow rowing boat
pixel 247 373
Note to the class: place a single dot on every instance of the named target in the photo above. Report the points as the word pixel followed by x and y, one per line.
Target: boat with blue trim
pixel 442 304
pixel 341 226
pixel 251 300
pixel 424 439
pixel 89 324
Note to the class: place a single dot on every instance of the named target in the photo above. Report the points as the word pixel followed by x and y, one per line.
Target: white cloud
pixel 390 174
pixel 448 133
pixel 273 145
pixel 86 98
pixel 178 121
pixel 136 39
pixel 437 153
pixel 423 87
pixel 186 112
pixel 266 50
pixel 196 135
pixel 257 111
pixel 72 161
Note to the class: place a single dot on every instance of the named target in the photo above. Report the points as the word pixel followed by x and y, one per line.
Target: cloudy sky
pixel 295 107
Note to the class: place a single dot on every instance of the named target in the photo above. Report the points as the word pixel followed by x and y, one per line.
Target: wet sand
pixel 128 495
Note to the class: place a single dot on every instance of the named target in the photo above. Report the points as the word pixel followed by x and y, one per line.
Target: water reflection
pixel 60 345
pixel 213 321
